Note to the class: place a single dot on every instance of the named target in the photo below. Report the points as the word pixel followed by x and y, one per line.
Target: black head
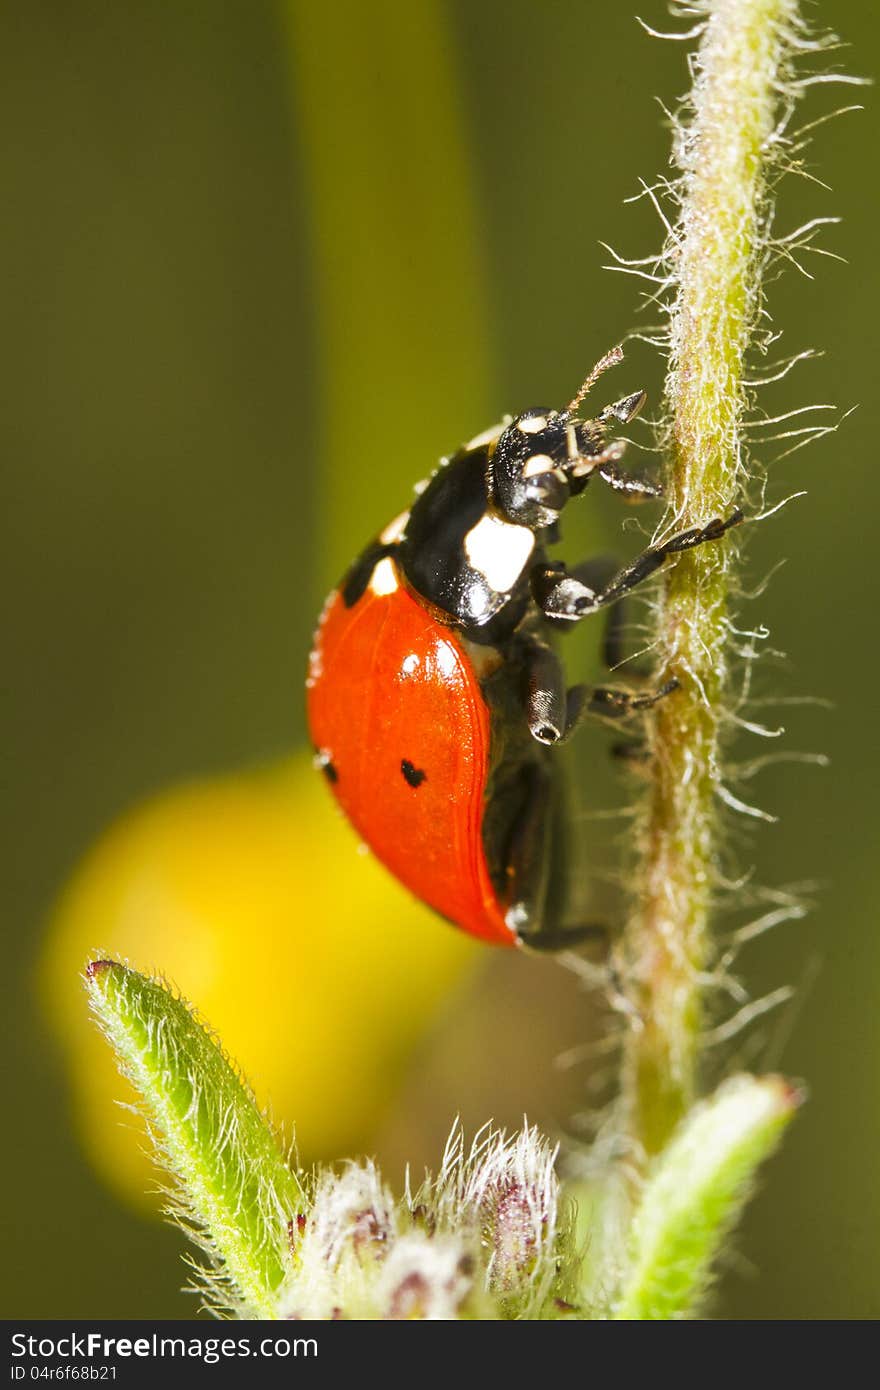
pixel 545 457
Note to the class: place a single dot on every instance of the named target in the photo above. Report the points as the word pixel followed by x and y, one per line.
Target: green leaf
pixel 696 1191
pixel 234 1192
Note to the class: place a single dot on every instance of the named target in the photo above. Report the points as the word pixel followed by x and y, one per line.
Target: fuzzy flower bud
pixel 506 1192
pixel 427 1278
pixel 345 1235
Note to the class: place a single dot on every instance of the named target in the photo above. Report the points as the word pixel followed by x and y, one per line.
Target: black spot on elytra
pixel 413 775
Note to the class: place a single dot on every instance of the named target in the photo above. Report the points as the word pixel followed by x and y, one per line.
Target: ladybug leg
pixel 650 560
pixel 607 703
pixel 554 712
pixel 580 701
pixel 606 462
pixel 595 574
pixel 606 465
pixel 563 597
pixel 547 938
pixel 535 870
pixel 547 698
pixel 632 488
pixel 529 853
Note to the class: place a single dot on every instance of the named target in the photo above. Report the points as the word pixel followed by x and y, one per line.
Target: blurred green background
pixel 264 264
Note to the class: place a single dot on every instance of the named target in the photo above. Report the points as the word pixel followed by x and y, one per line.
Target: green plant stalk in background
pixel 396 253
pixel 714 255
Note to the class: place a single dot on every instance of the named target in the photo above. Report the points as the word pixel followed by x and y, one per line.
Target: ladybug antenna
pixel 610 359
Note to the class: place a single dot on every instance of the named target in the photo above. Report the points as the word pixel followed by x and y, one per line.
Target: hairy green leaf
pixel 234 1192
pixel 696 1192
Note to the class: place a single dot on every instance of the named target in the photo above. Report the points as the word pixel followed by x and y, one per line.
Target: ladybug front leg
pixel 606 465
pixel 630 486
pixel 595 574
pixel 564 598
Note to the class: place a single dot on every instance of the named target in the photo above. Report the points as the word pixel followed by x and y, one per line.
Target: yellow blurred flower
pixel 319 973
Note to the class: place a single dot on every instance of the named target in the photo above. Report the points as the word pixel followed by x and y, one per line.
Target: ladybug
pixel 435 697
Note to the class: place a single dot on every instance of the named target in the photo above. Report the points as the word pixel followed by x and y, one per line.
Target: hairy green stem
pixel 715 256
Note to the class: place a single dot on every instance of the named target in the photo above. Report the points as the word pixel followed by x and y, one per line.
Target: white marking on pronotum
pixel 383 580
pixel 394 530
pixel 498 550
pixel 409 665
pixel 534 425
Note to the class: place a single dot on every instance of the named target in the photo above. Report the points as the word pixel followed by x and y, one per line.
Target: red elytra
pixel 391 687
